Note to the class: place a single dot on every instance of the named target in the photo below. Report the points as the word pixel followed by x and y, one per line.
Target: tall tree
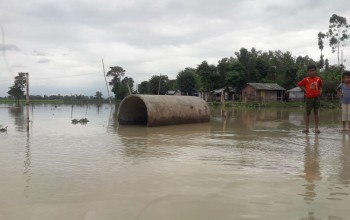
pixel 17 90
pixel 237 77
pixel 117 82
pixel 158 85
pixel 224 66
pixel 124 88
pixel 187 80
pixel 209 77
pixel 98 95
pixel 172 84
pixel 321 36
pixel 143 87
pixel 337 33
pixel 248 60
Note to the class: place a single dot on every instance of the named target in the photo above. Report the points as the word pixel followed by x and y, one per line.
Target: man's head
pixel 346 76
pixel 312 70
pixel 346 73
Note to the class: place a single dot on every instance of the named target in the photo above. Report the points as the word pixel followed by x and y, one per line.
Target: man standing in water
pixel 312 86
pixel 343 91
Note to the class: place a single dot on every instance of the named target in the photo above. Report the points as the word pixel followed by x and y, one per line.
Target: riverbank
pixel 54 101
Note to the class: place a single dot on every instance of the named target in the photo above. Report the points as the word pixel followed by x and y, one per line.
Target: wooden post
pixel 160 76
pixel 27 89
pixel 104 74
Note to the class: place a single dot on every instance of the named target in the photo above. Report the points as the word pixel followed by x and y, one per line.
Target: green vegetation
pixel 19 84
pixel 337 33
pixel 23 101
pixel 54 101
pixel 249 66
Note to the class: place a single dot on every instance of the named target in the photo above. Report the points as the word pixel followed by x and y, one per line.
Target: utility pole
pixel 27 89
pixel 127 83
pixel 104 74
pixel 27 101
pixel 160 76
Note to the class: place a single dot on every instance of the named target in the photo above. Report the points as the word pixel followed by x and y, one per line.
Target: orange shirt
pixel 312 86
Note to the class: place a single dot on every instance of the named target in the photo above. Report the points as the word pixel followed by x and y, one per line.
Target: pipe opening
pixel 132 111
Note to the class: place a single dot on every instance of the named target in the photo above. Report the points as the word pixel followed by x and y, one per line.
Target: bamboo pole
pixel 27 88
pixel 104 73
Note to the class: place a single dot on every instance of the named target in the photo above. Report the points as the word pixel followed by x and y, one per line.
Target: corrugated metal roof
pixel 266 86
pixel 229 89
pixel 296 89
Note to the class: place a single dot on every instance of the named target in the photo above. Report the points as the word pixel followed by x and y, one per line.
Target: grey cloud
pixel 44 60
pixel 18 66
pixel 40 53
pixel 9 47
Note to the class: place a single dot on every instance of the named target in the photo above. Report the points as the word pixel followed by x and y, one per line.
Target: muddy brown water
pixel 243 164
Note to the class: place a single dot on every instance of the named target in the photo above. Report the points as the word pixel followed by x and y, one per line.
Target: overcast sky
pixel 61 43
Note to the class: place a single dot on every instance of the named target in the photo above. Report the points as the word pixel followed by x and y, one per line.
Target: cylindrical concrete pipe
pixel 158 110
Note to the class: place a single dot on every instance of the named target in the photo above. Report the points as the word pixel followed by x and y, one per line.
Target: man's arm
pixel 301 85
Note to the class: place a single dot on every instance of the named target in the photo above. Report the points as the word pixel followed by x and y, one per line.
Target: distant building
pixel 296 94
pixel 262 92
pixel 173 92
pixel 224 94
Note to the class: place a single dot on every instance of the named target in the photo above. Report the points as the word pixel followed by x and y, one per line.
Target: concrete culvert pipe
pixel 158 110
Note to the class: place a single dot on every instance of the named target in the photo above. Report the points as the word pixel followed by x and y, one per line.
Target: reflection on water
pixel 345 162
pixel 311 167
pixel 243 164
pixel 27 161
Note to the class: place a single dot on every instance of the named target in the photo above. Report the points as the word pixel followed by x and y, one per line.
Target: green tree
pixel 17 90
pixel 187 80
pixel 158 85
pixel 98 95
pixel 248 60
pixel 208 75
pixel 143 87
pixel 337 33
pixel 331 78
pixel 124 88
pixel 120 84
pixel 224 66
pixel 321 36
pixel 172 84
pixel 287 70
pixel 237 77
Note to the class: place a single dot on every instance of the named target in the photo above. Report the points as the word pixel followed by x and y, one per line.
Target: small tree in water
pixel 17 90
pixel 121 85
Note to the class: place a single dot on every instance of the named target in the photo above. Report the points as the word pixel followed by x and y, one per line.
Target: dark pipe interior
pixel 132 111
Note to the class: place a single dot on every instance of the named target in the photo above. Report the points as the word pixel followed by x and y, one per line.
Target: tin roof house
pixel 262 92
pixel 296 94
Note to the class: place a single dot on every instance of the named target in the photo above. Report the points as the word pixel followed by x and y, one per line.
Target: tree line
pixel 246 66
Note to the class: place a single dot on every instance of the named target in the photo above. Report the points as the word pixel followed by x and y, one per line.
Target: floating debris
pixel 75 121
pixel 3 130
pixel 82 121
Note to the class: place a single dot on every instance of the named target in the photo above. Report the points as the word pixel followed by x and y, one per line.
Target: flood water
pixel 243 164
